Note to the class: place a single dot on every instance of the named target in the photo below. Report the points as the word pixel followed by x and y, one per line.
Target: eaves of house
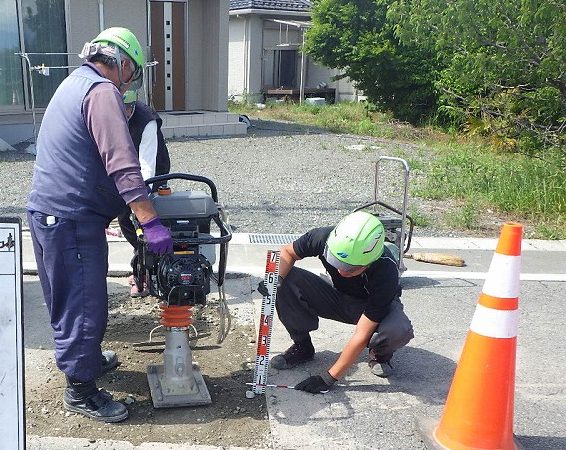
pixel 271 7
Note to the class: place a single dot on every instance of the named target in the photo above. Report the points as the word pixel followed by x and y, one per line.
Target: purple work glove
pixel 158 237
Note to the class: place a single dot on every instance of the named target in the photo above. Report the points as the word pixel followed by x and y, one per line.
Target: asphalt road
pixel 365 412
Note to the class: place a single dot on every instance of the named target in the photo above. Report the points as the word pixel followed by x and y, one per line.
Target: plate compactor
pixel 181 280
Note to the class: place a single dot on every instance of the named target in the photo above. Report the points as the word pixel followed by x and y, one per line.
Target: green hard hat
pixel 356 241
pixel 130 97
pixel 126 40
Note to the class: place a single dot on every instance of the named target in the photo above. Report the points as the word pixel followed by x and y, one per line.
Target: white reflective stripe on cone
pixel 503 276
pixel 495 323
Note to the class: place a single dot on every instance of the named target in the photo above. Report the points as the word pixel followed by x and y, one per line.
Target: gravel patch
pixel 280 178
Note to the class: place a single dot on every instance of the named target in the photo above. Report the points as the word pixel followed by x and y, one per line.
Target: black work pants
pixel 304 297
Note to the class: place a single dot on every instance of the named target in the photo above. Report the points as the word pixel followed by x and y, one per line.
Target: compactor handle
pixel 186 176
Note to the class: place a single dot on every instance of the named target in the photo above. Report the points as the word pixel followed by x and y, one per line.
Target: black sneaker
pixel 298 353
pixel 382 370
pixel 109 361
pixel 379 366
pixel 99 405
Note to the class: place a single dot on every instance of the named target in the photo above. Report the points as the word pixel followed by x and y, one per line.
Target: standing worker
pixel 144 125
pixel 364 292
pixel 86 171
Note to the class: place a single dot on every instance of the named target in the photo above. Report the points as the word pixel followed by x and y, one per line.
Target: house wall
pixel 245 50
pixel 237 57
pixel 252 38
pixel 346 91
pixel 255 50
pixel 206 51
pixel 207 84
pixel 83 23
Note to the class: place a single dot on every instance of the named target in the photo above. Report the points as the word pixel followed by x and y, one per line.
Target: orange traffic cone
pixel 479 409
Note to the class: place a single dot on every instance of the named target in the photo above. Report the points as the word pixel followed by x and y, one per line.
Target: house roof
pixel 282 5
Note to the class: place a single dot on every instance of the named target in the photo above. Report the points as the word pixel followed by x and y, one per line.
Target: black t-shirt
pixel 379 283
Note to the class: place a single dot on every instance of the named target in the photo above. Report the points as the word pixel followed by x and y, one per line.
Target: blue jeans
pixel 72 264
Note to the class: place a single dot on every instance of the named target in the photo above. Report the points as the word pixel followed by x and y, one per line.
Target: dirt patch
pixel 231 419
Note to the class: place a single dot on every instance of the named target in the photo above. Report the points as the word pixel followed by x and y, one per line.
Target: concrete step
pixel 201 124
pixel 190 118
pixel 205 130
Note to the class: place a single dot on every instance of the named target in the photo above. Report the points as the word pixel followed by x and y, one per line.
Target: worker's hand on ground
pixel 157 236
pixel 262 289
pixel 317 384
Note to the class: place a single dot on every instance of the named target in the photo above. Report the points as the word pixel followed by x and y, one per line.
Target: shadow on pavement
pixel 417 282
pixel 417 372
pixel 275 128
pixel 541 442
pixel 422 373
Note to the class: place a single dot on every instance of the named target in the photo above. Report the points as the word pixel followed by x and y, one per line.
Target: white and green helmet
pixel 126 40
pixel 355 242
pixel 109 42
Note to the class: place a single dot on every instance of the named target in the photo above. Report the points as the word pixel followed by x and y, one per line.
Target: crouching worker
pixel 364 292
pixel 85 173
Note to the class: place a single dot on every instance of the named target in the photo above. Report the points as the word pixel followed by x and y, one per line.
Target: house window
pixel 44 32
pixel 11 82
pixel 42 26
pixel 284 69
pixel 287 68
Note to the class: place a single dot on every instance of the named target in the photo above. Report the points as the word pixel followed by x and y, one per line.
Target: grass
pixel 420 219
pixel 451 166
pixel 352 118
pixel 526 187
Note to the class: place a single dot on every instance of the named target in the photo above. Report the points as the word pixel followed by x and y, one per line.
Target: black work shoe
pixel 109 361
pixel 298 353
pixel 382 370
pixel 379 366
pixel 99 405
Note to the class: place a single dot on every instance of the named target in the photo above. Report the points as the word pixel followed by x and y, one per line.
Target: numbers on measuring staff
pixel 266 321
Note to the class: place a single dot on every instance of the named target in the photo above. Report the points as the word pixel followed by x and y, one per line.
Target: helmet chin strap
pixel 118 58
pixel 132 113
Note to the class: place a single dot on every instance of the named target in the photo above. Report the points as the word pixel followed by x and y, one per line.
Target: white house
pixel 188 38
pixel 265 58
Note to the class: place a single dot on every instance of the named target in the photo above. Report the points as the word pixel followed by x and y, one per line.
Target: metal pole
pixel 101 15
pixel 302 85
pixel 26 58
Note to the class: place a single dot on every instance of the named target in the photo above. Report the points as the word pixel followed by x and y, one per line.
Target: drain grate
pixel 273 239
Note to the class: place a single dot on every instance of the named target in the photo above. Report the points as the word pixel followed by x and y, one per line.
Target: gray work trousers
pixel 303 297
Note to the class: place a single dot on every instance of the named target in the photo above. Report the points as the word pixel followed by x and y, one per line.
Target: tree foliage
pixel 356 37
pixel 503 64
pixel 495 67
